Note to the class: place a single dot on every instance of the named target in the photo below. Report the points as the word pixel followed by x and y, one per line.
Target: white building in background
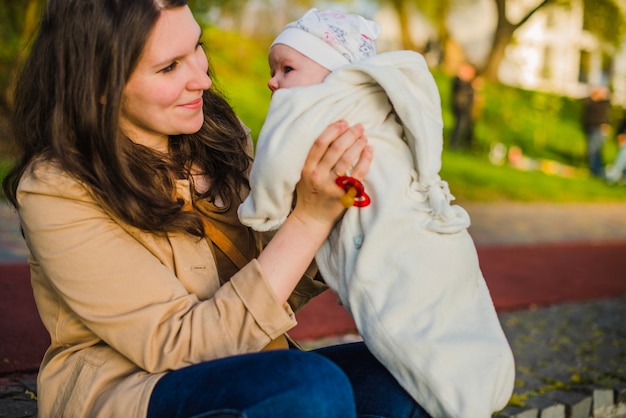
pixel 551 52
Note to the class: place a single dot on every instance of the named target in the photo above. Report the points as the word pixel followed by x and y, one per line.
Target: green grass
pixel 473 178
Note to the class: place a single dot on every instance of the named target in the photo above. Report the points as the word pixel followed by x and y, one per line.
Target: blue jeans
pixel 463 131
pixel 595 141
pixel 341 381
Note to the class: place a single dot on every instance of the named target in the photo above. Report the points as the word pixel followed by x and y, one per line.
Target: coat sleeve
pixel 104 283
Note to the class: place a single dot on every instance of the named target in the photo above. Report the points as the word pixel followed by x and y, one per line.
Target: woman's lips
pixel 196 104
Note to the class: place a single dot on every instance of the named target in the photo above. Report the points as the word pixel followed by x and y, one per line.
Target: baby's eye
pixel 287 69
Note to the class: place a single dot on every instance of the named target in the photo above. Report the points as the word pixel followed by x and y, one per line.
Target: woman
pixel 127 189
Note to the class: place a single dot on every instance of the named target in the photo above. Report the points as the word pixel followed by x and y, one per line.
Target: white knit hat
pixel 331 38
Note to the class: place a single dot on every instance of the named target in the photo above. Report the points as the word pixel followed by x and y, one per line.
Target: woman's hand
pixel 287 256
pixel 334 152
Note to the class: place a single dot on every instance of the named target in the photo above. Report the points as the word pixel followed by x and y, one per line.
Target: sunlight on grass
pixel 472 178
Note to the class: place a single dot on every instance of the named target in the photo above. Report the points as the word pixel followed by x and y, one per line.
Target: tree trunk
pixel 503 35
pixel 501 39
pixel 400 7
pixel 443 9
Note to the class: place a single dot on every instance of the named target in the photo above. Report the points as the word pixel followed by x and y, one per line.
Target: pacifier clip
pixel 355 192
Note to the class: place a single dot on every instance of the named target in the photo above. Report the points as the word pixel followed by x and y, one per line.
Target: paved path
pixel 570 357
pixel 492 224
pixel 526 223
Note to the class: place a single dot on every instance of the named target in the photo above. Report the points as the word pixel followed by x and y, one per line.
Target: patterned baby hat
pixel 331 38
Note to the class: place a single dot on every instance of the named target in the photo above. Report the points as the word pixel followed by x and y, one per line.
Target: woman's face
pixel 164 94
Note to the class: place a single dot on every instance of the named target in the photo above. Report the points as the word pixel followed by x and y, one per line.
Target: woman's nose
pixel 204 81
pixel 199 79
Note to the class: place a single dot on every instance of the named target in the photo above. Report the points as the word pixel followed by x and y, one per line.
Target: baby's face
pixel 289 68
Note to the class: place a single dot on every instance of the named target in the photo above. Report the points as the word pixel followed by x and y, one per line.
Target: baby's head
pixel 307 50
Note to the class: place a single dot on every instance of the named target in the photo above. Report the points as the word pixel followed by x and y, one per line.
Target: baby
pixel 404 266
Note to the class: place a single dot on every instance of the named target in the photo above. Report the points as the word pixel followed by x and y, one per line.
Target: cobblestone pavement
pixel 18 396
pixel 570 358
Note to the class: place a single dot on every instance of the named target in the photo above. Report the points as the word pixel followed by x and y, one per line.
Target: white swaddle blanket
pixel 404 267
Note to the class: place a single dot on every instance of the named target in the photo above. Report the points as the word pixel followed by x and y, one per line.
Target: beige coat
pixel 123 306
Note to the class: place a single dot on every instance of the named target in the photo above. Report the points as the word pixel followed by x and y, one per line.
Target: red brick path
pixel 518 277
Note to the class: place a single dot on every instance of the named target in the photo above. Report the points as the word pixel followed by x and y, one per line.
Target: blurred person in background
pixel 462 107
pixel 617 171
pixel 596 119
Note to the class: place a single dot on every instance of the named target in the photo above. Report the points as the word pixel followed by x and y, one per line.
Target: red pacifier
pixel 355 192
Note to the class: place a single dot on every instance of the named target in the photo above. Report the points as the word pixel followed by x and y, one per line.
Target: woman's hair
pixel 67 109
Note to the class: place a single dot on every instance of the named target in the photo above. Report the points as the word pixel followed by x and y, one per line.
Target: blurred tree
pixel 18 22
pixel 401 9
pixel 606 19
pixel 203 9
pixel 435 12
pixel 252 18
pixel 603 18
pixel 504 34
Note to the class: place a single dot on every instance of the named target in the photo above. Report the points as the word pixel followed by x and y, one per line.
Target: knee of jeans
pixel 323 381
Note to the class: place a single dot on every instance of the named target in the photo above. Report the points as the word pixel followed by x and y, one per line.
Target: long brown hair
pixel 67 109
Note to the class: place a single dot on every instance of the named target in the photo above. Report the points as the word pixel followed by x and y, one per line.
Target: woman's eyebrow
pixel 164 61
